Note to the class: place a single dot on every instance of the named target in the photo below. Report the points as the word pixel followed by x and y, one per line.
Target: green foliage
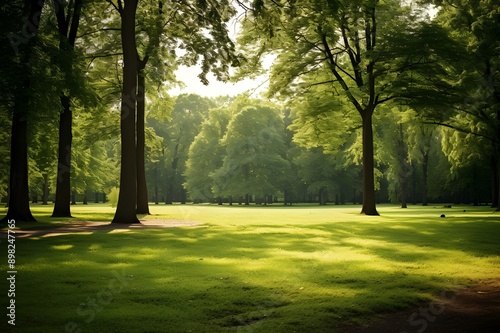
pixel 206 154
pixel 317 170
pixel 255 160
pixel 320 120
pixel 173 135
pixel 113 196
pixel 330 64
pixel 338 59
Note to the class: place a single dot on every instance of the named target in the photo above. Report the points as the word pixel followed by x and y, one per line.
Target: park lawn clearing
pixel 248 269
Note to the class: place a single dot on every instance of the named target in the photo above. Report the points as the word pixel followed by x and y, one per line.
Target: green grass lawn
pixel 246 269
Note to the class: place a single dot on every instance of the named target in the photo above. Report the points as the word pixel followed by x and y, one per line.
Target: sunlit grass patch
pixel 259 269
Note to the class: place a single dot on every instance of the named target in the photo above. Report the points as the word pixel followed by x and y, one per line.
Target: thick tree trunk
pixel 127 199
pixel 369 200
pixel 19 208
pixel 18 205
pixel 63 183
pixel 73 197
pixel 67 36
pixel 142 190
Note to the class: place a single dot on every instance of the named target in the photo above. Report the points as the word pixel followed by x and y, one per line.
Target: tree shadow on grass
pixel 256 278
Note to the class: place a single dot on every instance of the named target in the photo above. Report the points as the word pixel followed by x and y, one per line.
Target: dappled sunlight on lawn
pixel 260 268
pixel 62 247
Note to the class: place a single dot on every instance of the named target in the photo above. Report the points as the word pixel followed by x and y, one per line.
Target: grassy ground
pixel 247 269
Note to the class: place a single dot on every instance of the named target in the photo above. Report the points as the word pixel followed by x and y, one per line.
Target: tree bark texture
pixel 19 209
pixel 142 190
pixel 67 36
pixel 127 198
pixel 63 183
pixel 369 200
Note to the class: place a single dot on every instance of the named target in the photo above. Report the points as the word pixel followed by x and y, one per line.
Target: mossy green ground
pixel 246 269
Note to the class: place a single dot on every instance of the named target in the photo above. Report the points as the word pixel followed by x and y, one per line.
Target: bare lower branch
pixel 113 4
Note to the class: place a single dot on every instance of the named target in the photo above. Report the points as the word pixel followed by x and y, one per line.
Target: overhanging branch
pixel 459 129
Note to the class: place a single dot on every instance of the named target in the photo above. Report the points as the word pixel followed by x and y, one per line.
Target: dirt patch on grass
pixel 469 310
pixel 86 227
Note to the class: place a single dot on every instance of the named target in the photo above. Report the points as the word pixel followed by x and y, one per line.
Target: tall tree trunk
pixel 67 38
pixel 403 169
pixel 18 205
pixel 63 183
pixel 142 190
pixel 369 200
pixel 127 199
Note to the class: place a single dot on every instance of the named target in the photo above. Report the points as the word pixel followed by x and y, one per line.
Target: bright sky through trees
pixel 189 75
pixel 193 85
